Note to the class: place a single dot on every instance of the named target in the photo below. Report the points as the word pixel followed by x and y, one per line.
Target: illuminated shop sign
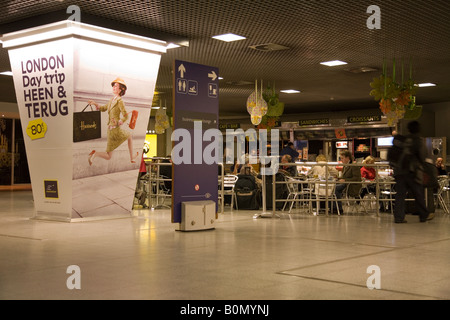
pixel 224 126
pixel 359 119
pixel 313 122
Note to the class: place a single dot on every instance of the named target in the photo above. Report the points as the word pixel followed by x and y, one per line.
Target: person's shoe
pixel 91 157
pixel 133 160
pixel 430 217
pixel 400 221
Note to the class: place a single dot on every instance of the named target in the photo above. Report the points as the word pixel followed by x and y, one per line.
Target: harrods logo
pixel 84 126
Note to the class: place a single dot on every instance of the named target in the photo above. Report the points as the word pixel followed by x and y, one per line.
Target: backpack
pixel 245 183
pixel 247 193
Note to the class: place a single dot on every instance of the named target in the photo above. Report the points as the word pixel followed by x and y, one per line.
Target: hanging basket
pixel 256 100
pixel 396 100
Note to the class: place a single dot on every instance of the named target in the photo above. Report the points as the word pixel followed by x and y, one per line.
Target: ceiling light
pixel 290 91
pixel 424 85
pixel 333 63
pixel 229 37
pixel 6 73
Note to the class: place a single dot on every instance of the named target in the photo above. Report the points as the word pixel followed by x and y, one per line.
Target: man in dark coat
pixel 406 178
pixel 290 150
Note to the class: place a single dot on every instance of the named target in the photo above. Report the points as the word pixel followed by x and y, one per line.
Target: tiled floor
pixel 296 256
pixel 108 195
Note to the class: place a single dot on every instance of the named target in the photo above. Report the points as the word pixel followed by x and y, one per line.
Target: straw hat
pixel 120 81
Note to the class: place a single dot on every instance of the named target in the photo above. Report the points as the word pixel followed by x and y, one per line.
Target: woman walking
pixel 115 134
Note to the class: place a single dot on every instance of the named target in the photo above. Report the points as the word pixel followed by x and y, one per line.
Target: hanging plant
pixel 394 98
pixel 275 108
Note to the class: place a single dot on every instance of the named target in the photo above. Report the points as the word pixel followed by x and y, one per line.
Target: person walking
pixel 115 134
pixel 405 175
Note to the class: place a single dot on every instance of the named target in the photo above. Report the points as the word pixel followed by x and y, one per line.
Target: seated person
pixel 368 174
pixel 236 167
pixel 321 171
pixel 440 167
pixel 349 174
pixel 289 171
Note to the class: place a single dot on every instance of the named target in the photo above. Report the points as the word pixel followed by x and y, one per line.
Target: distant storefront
pixel 13 158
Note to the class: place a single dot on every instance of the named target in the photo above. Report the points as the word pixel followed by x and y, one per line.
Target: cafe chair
pixel 229 181
pixel 295 190
pixel 351 200
pixel 443 187
pixel 387 194
pixel 163 191
pixel 324 191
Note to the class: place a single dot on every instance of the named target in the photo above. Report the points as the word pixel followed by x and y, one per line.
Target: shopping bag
pixel 428 174
pixel 86 125
pixel 134 115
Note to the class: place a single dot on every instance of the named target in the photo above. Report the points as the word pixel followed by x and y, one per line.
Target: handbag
pixel 86 125
pixel 426 174
pixel 134 115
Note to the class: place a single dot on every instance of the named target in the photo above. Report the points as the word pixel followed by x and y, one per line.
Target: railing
pixel 156 183
pixel 222 188
pixel 382 180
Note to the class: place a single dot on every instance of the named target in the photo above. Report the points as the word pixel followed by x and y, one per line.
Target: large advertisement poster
pixel 116 87
pixel 84 108
pixel 43 80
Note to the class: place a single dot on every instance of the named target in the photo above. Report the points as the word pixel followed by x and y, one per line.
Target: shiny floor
pixel 296 256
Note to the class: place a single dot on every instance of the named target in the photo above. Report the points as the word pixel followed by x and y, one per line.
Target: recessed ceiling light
pixel 424 85
pixel 333 63
pixel 229 37
pixel 6 73
pixel 290 91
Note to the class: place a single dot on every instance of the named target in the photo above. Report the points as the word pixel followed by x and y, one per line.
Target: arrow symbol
pixel 182 70
pixel 212 75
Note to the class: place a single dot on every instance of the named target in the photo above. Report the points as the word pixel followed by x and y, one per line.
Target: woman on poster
pixel 115 134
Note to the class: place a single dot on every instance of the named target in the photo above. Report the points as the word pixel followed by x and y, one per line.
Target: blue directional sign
pixel 195 110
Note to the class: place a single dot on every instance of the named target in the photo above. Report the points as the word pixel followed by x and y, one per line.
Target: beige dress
pixel 115 134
